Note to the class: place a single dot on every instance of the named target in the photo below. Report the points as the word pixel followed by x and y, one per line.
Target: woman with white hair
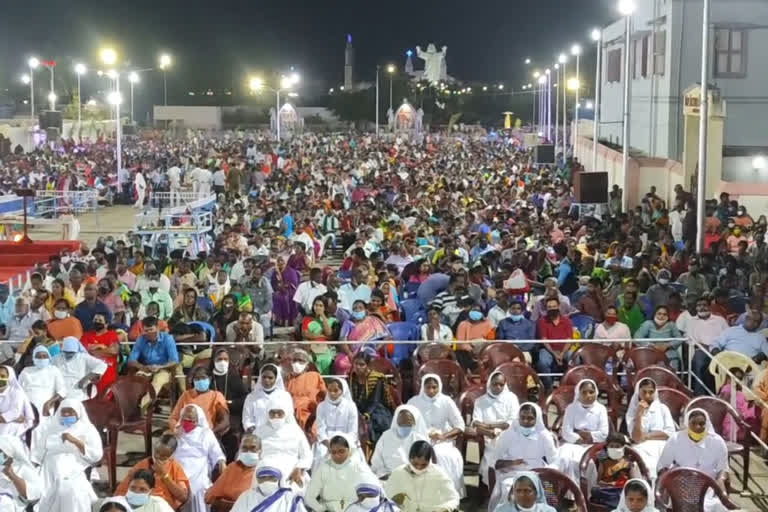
pixel 199 454
pixel 72 444
pixel 19 480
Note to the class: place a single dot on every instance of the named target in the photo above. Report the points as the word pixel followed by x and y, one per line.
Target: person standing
pixel 141 188
pixel 174 180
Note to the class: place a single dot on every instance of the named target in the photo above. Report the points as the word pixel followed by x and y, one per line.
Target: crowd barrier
pixel 51 203
pixel 180 198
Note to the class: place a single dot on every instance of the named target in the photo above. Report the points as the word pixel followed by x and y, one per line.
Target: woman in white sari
pixel 698 446
pixel 392 449
pixel 198 453
pixel 335 479
pixel 636 496
pixel 269 386
pixel 19 480
pixel 269 492
pixel 282 439
pixel 585 423
pixel 444 423
pixel 336 414
pixel 72 444
pixel 44 385
pixel 525 446
pixel 494 412
pixel 649 423
pixel 15 408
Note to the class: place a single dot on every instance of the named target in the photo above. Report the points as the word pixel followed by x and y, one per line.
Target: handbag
pixel 378 417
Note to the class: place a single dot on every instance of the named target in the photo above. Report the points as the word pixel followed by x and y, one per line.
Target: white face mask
pixel 276 422
pixel 337 401
pixel 298 367
pixel 268 488
pixel 369 503
pixel 525 509
pixel 60 314
pixel 221 367
pixel 615 453
pixel 417 471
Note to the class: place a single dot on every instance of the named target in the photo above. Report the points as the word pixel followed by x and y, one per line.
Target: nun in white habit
pixel 269 386
pixel 640 487
pixel 392 449
pixel 72 444
pixel 44 385
pixel 336 414
pixel 585 423
pixel 78 367
pixel 698 446
pixel 20 482
pixel 649 423
pixel 494 412
pixel 444 423
pixel 525 446
pixel 270 492
pixel 15 408
pixel 199 453
pixel 282 438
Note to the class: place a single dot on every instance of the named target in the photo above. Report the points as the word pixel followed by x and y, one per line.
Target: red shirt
pixel 109 338
pixel 549 331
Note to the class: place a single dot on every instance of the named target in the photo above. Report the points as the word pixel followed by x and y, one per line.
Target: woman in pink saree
pixel 363 328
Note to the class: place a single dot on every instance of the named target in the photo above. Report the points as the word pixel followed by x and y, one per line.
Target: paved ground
pixel 113 220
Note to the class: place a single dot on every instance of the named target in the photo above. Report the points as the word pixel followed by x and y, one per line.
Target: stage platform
pixel 16 259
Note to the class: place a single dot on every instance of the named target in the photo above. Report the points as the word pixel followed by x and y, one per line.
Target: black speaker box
pixel 51 119
pixel 591 187
pixel 544 154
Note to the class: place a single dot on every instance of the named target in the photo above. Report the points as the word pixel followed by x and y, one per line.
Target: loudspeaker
pixel 129 129
pixel 51 119
pixel 590 187
pixel 544 154
pixel 52 134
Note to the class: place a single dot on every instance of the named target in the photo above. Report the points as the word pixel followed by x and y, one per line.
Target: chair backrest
pixel 596 354
pixel 450 373
pixel 663 377
pixel 222 505
pixel 685 488
pixel 467 402
pixel 675 400
pixel 128 392
pixel 717 409
pixel 429 351
pixel 209 329
pixel 585 324
pixel 413 310
pixel 560 398
pixel 641 357
pixel 522 380
pixel 590 371
pixel 495 354
pixel 594 451
pixel 558 486
pixel 738 305
pixel 404 331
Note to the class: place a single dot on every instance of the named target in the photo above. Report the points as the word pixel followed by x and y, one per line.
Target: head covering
pixel 82 416
pixel 202 420
pixel 276 403
pixel 710 428
pixel 346 395
pixel 508 483
pixel 119 500
pixel 71 344
pixel 419 426
pixel 623 500
pixel 40 348
pixel 577 389
pixel 436 377
pixel 539 427
pixel 259 387
pixel 12 447
pixel 635 401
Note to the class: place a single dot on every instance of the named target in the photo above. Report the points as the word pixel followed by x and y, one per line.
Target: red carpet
pixel 17 258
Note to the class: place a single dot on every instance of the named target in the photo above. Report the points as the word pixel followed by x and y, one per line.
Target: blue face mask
pixel 201 386
pixel 404 431
pixel 250 459
pixel 42 363
pixel 68 421
pixel 136 499
pixel 475 316
pixel 527 431
pixel 516 318
pixel 54 350
pixel 358 315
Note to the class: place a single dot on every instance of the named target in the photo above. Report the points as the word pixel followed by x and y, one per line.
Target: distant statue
pixel 435 68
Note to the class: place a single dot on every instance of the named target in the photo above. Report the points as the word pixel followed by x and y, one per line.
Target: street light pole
pixel 534 123
pixel 32 91
pixel 52 95
pixel 565 109
pixel 79 101
pixel 597 36
pixel 277 113
pixel 377 101
pixel 627 9
pixel 119 128
pixel 131 101
pixel 549 106
pixel 557 108
pixel 576 50
pixel 701 181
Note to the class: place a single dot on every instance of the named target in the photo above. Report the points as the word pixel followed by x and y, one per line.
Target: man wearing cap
pixel 658 294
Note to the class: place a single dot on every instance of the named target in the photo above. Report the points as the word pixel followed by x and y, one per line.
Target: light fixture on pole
pixel 576 52
pixel 701 182
pixel 286 83
pixel 597 37
pixel 109 57
pixel 79 71
pixel 165 63
pixel 527 61
pixel 133 79
pixel 563 60
pixel 33 63
pixel 626 8
pixel 391 72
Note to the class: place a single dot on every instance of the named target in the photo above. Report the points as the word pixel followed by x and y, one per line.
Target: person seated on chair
pixel 171 482
pixel 614 469
pixel 303 385
pixel 269 384
pixel 38 336
pixel 140 493
pixel 516 327
pixel 661 327
pixel 475 327
pixel 63 323
pixel 103 343
pixel 526 492
pixel 137 327
pixel 434 330
pixel 553 357
pixel 86 310
pixel 270 492
pixel 78 368
pixel 19 480
pixel 237 476
pixel 392 448
pixel 227 380
pixel 154 355
pixel 247 329
pixel 319 327
pixel 212 403
pixel 636 496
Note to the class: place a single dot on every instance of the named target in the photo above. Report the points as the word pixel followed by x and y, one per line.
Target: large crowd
pixel 473 301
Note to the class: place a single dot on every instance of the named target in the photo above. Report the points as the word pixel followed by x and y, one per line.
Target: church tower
pixel 349 62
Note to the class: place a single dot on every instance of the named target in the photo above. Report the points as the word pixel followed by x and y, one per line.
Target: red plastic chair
pixel 676 401
pixel 605 384
pixel 683 490
pixel 663 377
pixel 429 351
pixel 557 486
pixel 450 373
pixel 560 398
pixel 642 357
pixel 591 456
pixel 519 377
pixel 596 354
pixel 718 409
pixel 128 392
pixel 495 354
pixel 467 407
pixel 105 415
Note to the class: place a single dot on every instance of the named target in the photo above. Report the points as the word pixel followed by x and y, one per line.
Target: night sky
pixel 218 43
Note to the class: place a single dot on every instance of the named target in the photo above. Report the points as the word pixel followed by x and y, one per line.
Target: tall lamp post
pixel 33 63
pixel 109 57
pixel 50 64
pixel 701 181
pixel 597 37
pixel 391 71
pixel 377 101
pixel 548 72
pixel 543 108
pixel 576 52
pixel 165 63
pixel 626 8
pixel 133 79
pixel 79 71
pixel 286 83
pixel 536 117
pixel 563 60
pixel 557 107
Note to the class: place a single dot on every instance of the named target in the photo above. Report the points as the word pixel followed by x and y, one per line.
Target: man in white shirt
pixel 356 289
pixel 308 290
pixel 704 328
pixel 219 181
pixel 174 180
pixel 141 189
pixel 205 179
pixel 676 217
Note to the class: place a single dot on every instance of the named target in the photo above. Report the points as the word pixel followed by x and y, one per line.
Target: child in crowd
pixel 614 469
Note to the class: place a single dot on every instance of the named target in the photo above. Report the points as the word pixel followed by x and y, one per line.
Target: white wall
pixel 190 117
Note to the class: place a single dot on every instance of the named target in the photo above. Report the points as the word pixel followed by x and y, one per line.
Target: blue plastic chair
pixel 410 289
pixel 206 304
pixel 679 288
pixel 211 330
pixel 738 304
pixel 403 331
pixel 413 311
pixel 585 324
pixel 645 303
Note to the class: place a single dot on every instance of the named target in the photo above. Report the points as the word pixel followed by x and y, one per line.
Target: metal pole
pixel 119 130
pixel 557 110
pixel 390 93
pixel 596 122
pixel 79 100
pixel 165 89
pixel 533 122
pixel 625 135
pixel 377 101
pixel 32 91
pixel 576 115
pixel 277 114
pixel 131 102
pixel 549 107
pixel 52 99
pixel 701 182
pixel 565 111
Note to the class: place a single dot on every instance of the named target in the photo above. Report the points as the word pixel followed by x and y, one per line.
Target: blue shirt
pixel 160 352
pixel 508 329
pixel 738 339
pixel 565 270
pixel 85 313
pixel 288 221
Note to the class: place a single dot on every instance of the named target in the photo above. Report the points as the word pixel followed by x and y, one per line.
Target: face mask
pixel 403 431
pixel 358 315
pixel 188 425
pixel 250 459
pixel 516 318
pixel 54 350
pixel 553 313
pixel 276 423
pixel 696 437
pixel 97 326
pixel 136 499
pixel 704 314
pixel 525 509
pixel 417 471
pixel 201 386
pixel 611 319
pixel 60 314
pixel 69 355
pixel 335 401
pixel 615 453
pixel 42 362
pixel 475 316
pixel 268 488
pixel 221 367
pixel 663 281
pixel 68 421
pixel 527 431
pixel 369 503
pixel 298 367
